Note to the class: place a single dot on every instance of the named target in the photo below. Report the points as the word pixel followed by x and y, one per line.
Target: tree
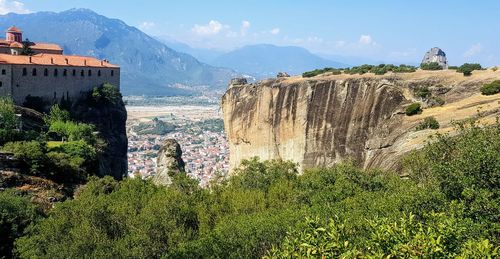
pixel 431 66
pixel 27 50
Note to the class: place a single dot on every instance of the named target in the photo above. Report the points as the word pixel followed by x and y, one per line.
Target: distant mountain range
pixel 265 60
pixel 148 66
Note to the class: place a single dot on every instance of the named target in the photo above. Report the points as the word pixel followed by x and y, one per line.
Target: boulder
pixel 169 162
pixel 436 55
pixel 238 81
pixel 282 74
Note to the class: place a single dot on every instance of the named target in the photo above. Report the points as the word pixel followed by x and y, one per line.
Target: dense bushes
pixel 431 66
pixel 16 214
pixel 491 88
pixel 412 109
pixel 448 207
pixel 321 71
pixel 106 93
pixel 467 68
pixel 428 123
pixel 363 69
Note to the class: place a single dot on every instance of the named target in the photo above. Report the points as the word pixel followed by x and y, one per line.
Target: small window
pixel 65 72
pixel 33 72
pixel 4 71
pixel 74 72
pixel 112 73
pixel 1 83
pixel 46 72
pixel 90 72
pixel 56 72
pixel 25 71
pixel 99 73
pixel 82 73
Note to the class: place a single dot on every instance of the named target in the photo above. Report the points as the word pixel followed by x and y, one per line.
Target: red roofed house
pixel 48 73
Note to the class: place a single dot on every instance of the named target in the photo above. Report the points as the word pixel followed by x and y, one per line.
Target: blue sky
pixel 397 31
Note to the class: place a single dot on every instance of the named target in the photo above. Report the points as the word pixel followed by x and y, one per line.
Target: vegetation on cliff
pixel 446 207
pixel 491 88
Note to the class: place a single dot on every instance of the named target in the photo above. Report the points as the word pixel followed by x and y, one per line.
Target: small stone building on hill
pixel 49 73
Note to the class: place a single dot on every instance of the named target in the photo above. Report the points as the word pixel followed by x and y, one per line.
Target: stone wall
pixel 53 86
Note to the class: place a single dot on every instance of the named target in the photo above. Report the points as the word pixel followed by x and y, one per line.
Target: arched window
pixel 99 73
pixel 82 73
pixel 33 72
pixel 56 72
pixel 65 72
pixel 46 72
pixel 74 72
pixel 112 73
pixel 1 83
pixel 90 72
pixel 25 71
pixel 4 71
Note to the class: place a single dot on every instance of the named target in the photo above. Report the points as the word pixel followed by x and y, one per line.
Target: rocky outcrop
pixel 436 55
pixel 168 163
pixel 110 120
pixel 282 74
pixel 320 121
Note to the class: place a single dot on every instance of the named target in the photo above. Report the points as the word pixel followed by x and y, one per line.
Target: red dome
pixel 14 29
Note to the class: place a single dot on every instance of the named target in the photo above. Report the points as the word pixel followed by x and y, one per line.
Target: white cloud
pixel 8 6
pixel 147 25
pixel 212 28
pixel 474 50
pixel 366 40
pixel 340 43
pixel 245 25
pixel 275 31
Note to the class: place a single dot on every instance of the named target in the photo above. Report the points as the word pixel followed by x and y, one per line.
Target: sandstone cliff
pixel 323 120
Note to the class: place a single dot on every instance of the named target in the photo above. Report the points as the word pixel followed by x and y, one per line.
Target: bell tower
pixel 14 35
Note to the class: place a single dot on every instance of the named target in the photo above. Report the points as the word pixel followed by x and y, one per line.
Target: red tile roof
pixel 47 46
pixel 14 29
pixel 55 60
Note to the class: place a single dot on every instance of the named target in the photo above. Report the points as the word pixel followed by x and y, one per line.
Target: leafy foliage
pixel 412 109
pixel 27 50
pixel 16 214
pixel 431 66
pixel 107 93
pixel 428 123
pixel 321 71
pixel 467 68
pixel 491 88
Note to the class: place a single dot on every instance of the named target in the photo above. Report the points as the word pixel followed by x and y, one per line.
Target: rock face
pixel 169 162
pixel 238 81
pixel 324 120
pixel 436 55
pixel 282 74
pixel 110 121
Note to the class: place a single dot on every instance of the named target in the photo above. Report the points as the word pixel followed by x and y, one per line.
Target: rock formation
pixel 110 121
pixel 168 163
pixel 282 74
pixel 436 55
pixel 238 81
pixel 324 120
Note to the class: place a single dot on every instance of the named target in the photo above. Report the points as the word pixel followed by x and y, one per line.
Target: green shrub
pixel 431 66
pixel 437 101
pixel 494 69
pixel 428 123
pixel 107 93
pixel 467 68
pixel 491 88
pixel 8 118
pixel 423 92
pixel 32 152
pixel 56 114
pixel 316 72
pixel 414 108
pixel 16 214
pixel 73 131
